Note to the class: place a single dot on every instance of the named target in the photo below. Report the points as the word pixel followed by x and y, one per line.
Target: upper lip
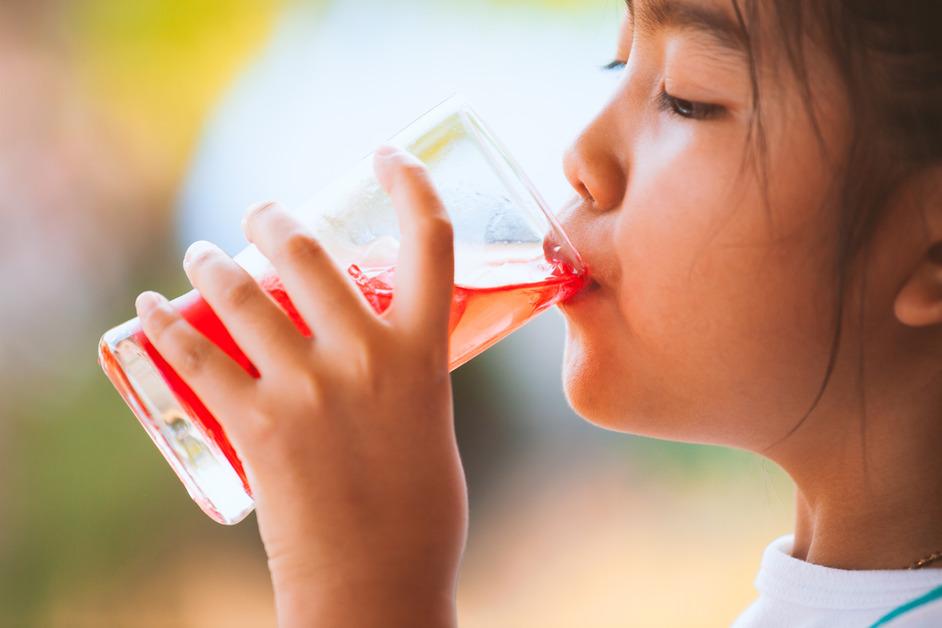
pixel 552 248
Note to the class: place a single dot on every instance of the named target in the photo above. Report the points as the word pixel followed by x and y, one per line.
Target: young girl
pixel 761 210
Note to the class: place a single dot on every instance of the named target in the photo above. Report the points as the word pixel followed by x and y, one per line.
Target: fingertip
pixel 390 162
pixel 197 250
pixel 252 213
pixel 147 302
pixel 386 150
pixel 383 160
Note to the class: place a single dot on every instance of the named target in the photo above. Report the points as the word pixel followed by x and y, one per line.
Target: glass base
pixel 192 453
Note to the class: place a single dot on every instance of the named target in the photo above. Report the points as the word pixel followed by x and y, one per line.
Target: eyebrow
pixel 677 14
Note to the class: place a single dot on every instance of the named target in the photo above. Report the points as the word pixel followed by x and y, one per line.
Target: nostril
pixel 601 188
pixel 574 168
pixel 584 192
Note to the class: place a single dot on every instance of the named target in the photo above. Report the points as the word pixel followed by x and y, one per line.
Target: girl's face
pixel 712 317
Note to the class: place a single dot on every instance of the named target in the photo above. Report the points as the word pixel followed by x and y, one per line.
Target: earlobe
pixel 919 301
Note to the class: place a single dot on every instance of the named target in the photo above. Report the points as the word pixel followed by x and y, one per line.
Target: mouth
pixel 559 250
pixel 587 292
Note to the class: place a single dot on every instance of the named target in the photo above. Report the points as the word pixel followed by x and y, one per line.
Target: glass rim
pixel 457 103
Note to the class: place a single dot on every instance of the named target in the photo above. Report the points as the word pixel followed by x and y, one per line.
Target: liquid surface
pixel 480 317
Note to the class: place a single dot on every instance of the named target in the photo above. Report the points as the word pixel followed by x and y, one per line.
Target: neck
pixel 869 486
pixel 864 529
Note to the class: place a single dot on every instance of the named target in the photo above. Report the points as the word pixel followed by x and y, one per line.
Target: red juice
pixel 480 317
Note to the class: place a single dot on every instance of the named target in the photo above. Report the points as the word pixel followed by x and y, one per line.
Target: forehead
pixel 719 20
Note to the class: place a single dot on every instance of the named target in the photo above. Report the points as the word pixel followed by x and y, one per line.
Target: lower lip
pixel 587 293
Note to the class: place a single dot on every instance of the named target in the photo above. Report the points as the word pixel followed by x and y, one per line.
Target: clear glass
pixel 512 261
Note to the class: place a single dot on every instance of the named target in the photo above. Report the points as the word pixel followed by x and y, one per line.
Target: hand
pixel 347 436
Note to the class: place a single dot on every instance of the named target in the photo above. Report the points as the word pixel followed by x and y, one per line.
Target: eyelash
pixel 687 109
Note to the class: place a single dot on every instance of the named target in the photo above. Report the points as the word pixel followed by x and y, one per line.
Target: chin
pixel 601 385
pixel 603 391
pixel 594 381
pixel 592 387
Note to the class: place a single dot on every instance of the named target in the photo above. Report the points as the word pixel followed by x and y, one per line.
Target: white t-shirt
pixel 797 594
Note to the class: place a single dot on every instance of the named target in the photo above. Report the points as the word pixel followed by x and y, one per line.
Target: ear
pixel 919 301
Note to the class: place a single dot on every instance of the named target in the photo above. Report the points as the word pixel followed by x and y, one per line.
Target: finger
pixel 324 296
pixel 216 379
pixel 259 327
pixel 425 271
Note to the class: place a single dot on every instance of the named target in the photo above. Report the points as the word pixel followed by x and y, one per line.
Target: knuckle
pixel 439 228
pixel 413 170
pixel 366 358
pixel 430 366
pixel 158 322
pixel 240 293
pixel 169 334
pixel 300 246
pixel 437 232
pixel 411 177
pixel 310 391
pixel 193 358
pixel 262 425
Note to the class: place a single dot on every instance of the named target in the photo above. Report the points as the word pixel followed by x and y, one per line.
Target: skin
pixel 710 319
pixel 348 440
pixel 714 315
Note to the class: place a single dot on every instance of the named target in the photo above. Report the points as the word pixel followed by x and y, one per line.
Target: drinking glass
pixel 512 261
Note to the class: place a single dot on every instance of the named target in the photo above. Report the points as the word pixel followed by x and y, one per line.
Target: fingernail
pixel 147 301
pixel 194 251
pixel 387 152
pixel 252 211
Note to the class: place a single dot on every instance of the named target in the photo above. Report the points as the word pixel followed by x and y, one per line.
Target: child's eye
pixel 687 108
pixel 615 65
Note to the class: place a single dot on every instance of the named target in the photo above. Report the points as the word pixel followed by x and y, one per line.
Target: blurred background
pixel 129 129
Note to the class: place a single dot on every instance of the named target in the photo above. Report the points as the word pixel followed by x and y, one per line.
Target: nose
pixel 592 165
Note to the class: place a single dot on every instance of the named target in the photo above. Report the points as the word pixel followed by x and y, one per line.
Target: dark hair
pixel 888 54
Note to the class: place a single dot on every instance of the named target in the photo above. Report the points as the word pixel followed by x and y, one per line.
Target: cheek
pixel 719 319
